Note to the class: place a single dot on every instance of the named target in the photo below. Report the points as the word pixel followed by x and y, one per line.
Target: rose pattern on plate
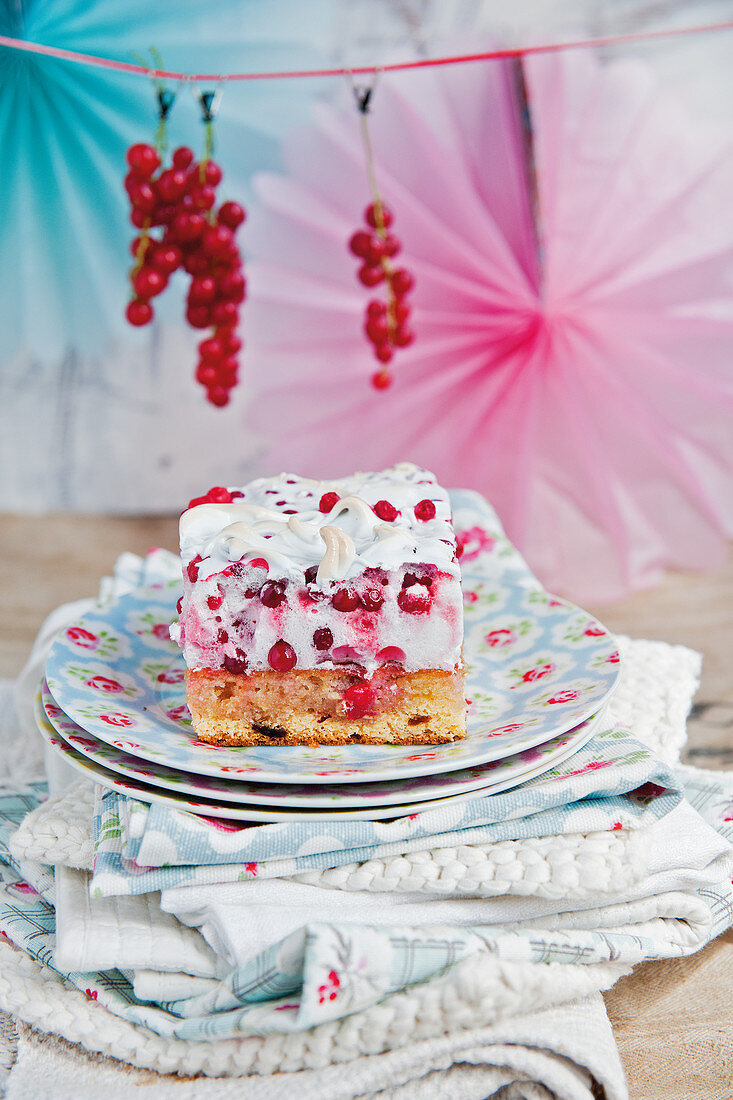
pixel 153 630
pixel 236 787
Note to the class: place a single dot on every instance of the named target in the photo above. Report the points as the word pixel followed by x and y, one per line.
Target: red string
pixel 488 55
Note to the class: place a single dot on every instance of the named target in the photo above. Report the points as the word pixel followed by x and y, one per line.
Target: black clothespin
pixel 363 95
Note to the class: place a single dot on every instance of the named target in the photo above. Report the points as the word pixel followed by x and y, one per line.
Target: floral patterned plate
pixel 537 666
pixel 496 775
pixel 217 808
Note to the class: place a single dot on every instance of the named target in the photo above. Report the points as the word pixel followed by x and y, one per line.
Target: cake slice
pixel 320 613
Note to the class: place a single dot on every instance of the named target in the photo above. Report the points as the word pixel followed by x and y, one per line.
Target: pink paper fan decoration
pixel 589 396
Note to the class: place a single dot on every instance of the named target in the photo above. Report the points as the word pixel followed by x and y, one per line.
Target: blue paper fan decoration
pixel 64 129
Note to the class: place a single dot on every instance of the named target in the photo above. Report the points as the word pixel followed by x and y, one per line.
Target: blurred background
pixel 567 218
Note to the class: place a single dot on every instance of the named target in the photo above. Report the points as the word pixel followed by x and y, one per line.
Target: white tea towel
pixel 123 933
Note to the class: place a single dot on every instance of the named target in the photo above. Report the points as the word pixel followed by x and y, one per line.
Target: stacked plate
pixel 539 672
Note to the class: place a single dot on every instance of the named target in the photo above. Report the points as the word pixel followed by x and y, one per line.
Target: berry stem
pixel 377 200
pixel 140 254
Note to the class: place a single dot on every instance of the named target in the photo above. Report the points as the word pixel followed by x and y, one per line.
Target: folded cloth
pixel 128 933
pixel 446 1015
pixel 566 1053
pixel 680 854
pixel 612 782
pixel 335 967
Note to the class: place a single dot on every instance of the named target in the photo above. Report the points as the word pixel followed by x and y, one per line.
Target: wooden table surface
pixel 51 560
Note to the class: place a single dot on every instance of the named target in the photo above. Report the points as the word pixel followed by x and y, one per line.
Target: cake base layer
pixel 327 707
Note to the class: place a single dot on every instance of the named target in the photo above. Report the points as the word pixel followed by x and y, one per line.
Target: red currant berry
pixel 383 353
pixel 230 341
pixel 375 309
pixel 425 510
pixel 203 196
pixel 359 243
pixel 403 337
pixel 402 282
pixel 143 197
pixel 328 501
pixel 195 263
pixel 188 225
pixel 228 371
pixel 215 240
pixel 381 380
pixel 370 274
pixel 143 159
pixel 212 173
pixel 231 214
pixel 139 312
pixel 414 602
pixel 139 219
pixel 148 282
pixel 236 665
pixel 359 700
pixel 218 395
pixel 345 599
pixel 372 599
pixel 225 313
pixel 182 157
pixel 322 639
pixel 232 286
pixel 202 290
pixel 166 257
pixel 377 330
pixel 163 214
pixel 206 374
pixel 171 184
pixel 378 215
pixel 198 316
pixel 400 312
pixel 211 348
pixel 392 245
pixel 391 653
pixel 214 602
pixel 386 511
pixel 272 593
pixel 282 657
pixel 376 251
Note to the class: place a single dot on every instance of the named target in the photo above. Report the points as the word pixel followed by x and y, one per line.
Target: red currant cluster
pixel 386 322
pixel 180 201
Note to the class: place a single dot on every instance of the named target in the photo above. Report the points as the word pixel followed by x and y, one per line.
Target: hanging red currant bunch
pixel 182 227
pixel 386 323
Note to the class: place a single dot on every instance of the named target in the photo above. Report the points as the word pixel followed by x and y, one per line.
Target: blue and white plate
pixel 213 805
pixel 537 666
pixel 486 778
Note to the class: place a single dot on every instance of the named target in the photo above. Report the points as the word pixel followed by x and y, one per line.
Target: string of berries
pixel 386 322
pixel 181 228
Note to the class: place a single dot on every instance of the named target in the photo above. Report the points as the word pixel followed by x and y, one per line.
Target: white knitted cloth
pixel 564 1048
pixel 431 1018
